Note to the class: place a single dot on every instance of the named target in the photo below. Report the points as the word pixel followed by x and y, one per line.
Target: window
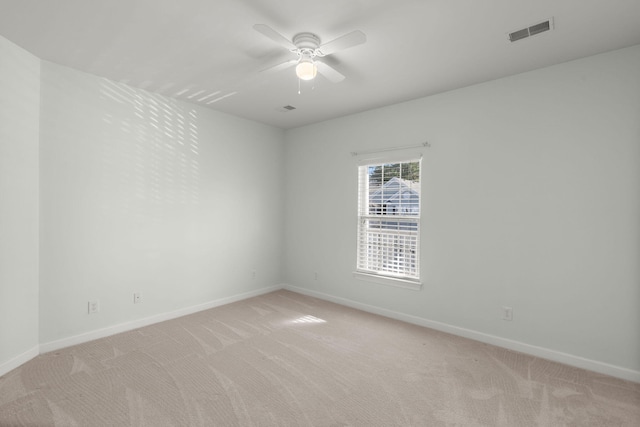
pixel 389 220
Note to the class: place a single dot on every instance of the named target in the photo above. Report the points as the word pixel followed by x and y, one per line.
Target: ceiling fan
pixel 308 49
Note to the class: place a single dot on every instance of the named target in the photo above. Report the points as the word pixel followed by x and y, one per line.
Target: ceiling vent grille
pixel 285 109
pixel 531 31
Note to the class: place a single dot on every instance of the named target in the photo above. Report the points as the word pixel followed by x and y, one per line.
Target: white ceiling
pixel 189 49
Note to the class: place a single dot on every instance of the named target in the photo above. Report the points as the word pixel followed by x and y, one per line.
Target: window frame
pixel 413 282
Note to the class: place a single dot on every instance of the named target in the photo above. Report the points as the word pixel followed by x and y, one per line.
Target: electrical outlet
pixel 315 275
pixel 253 274
pixel 93 306
pixel 137 298
pixel 507 313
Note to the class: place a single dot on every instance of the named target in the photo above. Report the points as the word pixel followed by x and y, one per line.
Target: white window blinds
pixel 389 219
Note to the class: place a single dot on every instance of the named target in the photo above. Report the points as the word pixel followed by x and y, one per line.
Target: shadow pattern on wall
pixel 150 161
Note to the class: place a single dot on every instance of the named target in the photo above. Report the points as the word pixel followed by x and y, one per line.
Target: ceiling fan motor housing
pixel 306 43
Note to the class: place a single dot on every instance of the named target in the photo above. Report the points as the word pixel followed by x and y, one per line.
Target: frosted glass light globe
pixel 306 70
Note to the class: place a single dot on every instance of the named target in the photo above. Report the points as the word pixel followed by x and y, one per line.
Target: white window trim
pixel 386 278
pixel 383 279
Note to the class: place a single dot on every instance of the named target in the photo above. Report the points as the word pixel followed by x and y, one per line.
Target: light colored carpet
pixel 284 359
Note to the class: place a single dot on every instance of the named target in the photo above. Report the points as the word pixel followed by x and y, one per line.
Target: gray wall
pixel 530 193
pixel 107 190
pixel 19 116
pixel 141 193
pixel 531 199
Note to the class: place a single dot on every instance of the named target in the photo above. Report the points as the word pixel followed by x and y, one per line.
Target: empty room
pixel 319 213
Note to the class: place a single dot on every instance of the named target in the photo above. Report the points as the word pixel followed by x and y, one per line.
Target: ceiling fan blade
pixel 280 66
pixel 329 72
pixel 269 32
pixel 351 39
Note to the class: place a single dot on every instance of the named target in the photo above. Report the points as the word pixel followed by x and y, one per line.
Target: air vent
pixel 285 109
pixel 540 28
pixel 519 35
pixel 531 31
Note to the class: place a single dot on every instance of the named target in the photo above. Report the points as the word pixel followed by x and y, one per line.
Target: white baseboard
pixel 20 359
pixel 139 323
pixel 545 353
pixel 572 360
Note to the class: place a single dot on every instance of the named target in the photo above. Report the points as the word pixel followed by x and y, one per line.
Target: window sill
pixel 413 285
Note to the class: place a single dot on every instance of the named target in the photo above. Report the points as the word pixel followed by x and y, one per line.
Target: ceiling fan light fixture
pixel 306 69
